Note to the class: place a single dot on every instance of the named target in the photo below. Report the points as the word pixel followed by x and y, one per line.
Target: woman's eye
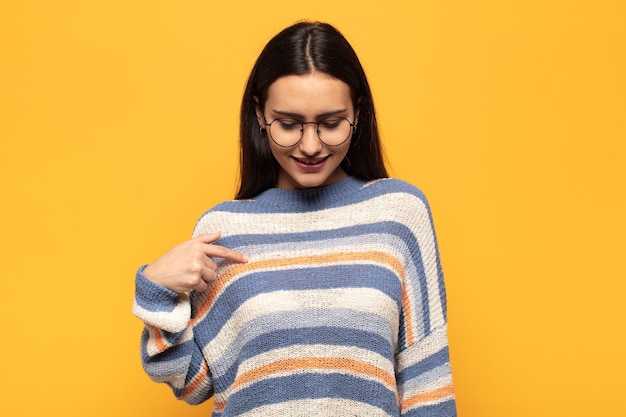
pixel 331 124
pixel 289 124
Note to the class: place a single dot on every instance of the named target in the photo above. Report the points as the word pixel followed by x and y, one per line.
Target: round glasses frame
pixel 317 130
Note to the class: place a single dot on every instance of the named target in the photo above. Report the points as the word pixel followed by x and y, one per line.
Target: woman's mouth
pixel 310 164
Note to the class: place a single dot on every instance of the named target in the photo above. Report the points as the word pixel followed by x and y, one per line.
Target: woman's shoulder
pixel 400 200
pixel 394 186
pixel 231 206
pixel 216 215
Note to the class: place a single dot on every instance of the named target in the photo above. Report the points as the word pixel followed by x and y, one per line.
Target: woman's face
pixel 315 97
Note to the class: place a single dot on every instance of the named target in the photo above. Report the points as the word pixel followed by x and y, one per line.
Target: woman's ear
pixel 259 113
pixel 357 111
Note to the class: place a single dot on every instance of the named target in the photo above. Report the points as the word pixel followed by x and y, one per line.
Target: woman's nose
pixel 310 143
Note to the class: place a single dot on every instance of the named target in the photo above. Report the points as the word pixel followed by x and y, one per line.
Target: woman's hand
pixel 189 266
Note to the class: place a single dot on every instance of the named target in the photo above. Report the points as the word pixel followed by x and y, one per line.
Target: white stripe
pixel 318 351
pixel 151 346
pixel 153 349
pixel 170 321
pixel 318 407
pixel 382 208
pixel 431 386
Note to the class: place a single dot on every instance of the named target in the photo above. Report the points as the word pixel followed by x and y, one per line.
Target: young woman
pixel 318 290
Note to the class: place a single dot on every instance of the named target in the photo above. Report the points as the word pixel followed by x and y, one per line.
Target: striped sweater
pixel 340 311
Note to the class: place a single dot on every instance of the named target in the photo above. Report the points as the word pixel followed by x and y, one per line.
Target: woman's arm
pixel 169 351
pixel 423 370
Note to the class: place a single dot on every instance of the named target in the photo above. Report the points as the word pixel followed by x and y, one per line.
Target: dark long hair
pixel 299 50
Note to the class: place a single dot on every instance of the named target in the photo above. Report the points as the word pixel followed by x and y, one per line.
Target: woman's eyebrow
pixel 300 116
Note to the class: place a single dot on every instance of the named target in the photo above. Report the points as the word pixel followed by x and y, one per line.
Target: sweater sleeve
pixel 169 352
pixel 423 370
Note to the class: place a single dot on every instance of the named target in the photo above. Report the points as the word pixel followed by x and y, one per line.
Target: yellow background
pixel 118 128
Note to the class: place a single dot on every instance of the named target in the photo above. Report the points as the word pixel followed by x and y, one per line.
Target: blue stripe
pixel 167 368
pixel 427 364
pixel 426 378
pixel 151 296
pixel 378 228
pixel 312 386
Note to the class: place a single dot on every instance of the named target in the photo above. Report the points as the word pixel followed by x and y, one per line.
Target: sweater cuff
pixel 159 306
pixel 152 296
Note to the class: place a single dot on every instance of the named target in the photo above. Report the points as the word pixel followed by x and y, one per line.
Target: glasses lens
pixel 288 132
pixel 334 132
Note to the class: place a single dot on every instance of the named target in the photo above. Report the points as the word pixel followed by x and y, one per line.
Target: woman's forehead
pixel 308 95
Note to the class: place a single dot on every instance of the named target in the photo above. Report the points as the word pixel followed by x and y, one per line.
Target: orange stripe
pixel 239 269
pixel 288 365
pixel 197 381
pixel 159 339
pixel 428 396
pixel 408 316
pixel 219 406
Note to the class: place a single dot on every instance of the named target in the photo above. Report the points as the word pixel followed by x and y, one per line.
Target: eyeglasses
pixel 331 132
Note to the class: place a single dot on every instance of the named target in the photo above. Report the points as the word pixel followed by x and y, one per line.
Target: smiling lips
pixel 310 163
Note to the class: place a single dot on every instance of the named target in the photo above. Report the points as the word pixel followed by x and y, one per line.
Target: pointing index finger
pixel 208 237
pixel 217 251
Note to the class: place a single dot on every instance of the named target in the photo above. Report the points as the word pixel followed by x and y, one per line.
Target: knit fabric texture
pixel 340 311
